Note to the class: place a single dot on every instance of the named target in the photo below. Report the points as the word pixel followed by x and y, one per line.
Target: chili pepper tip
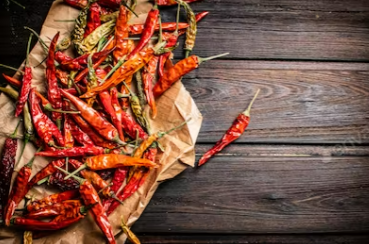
pixel 247 111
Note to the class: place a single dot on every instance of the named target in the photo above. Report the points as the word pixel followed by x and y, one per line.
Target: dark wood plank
pixel 269 194
pixel 300 102
pixel 255 239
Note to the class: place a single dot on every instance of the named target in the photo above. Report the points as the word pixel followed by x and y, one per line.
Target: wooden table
pixel 300 174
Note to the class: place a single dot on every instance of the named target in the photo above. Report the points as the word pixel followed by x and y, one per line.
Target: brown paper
pixel 174 107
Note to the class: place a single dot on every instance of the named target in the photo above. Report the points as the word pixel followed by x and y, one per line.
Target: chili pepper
pixel 191 30
pixel 147 77
pixel 77 3
pixel 172 2
pixel 80 62
pixel 56 209
pixel 149 28
pixel 178 70
pixel 131 236
pixel 57 180
pixel 105 17
pixel 47 105
pixel 27 237
pixel 79 29
pixel 19 190
pixel 12 81
pixel 26 83
pixel 106 173
pixel 92 77
pixel 32 224
pixel 52 199
pixel 79 135
pixel 53 92
pixel 140 87
pixel 45 172
pixel 97 139
pixel 110 3
pixel 127 69
pixel 93 20
pixel 91 198
pixel 45 128
pixel 137 29
pixel 121 33
pixel 84 72
pixel 74 152
pixel 67 132
pixel 117 181
pixel 234 132
pixel 64 44
pixel 7 167
pixel 61 57
pixel 103 127
pixel 62 76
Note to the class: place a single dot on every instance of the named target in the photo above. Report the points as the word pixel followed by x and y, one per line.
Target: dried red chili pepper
pixel 62 77
pixel 56 209
pixel 7 167
pixel 52 199
pixel 84 72
pixel 148 75
pixel 78 134
pixel 93 19
pixel 121 35
pixel 172 2
pixel 45 172
pixel 131 127
pixel 26 83
pixel 106 173
pixel 57 180
pixel 77 3
pixel 110 3
pixel 178 70
pixel 61 57
pixel 47 105
pixel 74 152
pixel 103 127
pixel 67 133
pixel 32 224
pixel 45 128
pixel 12 81
pixel 234 132
pixel 118 112
pixel 19 190
pixel 117 181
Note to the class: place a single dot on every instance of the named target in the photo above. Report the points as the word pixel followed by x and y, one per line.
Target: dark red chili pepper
pixel 149 29
pixel 106 173
pixel 80 62
pixel 26 83
pixel 77 3
pixel 55 209
pixel 131 127
pixel 178 70
pixel 172 2
pixel 61 57
pixel 45 128
pixel 19 190
pixel 53 92
pixel 103 127
pixel 32 224
pixel 110 3
pixel 7 167
pixel 78 134
pixel 57 180
pixel 93 20
pixel 52 199
pixel 74 152
pixel 234 132
pixel 117 181
pixel 12 81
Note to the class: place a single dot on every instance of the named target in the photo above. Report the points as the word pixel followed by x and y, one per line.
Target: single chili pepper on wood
pixel 52 199
pixel 32 224
pixel 26 83
pixel 234 132
pixel 178 70
pixel 103 127
pixel 7 167
pixel 19 190
pixel 93 19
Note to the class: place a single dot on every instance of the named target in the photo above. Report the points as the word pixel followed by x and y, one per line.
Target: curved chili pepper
pixel 147 77
pixel 191 30
pixel 172 2
pixel 131 127
pixel 93 19
pixel 127 69
pixel 55 209
pixel 47 105
pixel 32 224
pixel 234 132
pixel 61 57
pixel 52 199
pixel 131 236
pixel 80 62
pixel 12 81
pixel 53 92
pixel 45 172
pixel 57 180
pixel 79 135
pixel 18 191
pixel 121 35
pixel 118 112
pixel 7 167
pixel 26 83
pixel 103 127
pixel 149 29
pixel 45 128
pixel 177 71
pixel 77 3
pixel 117 181
pixel 74 152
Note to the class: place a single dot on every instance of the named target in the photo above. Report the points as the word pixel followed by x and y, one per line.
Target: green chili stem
pixel 16 130
pixel 139 38
pixel 43 44
pixel 12 68
pixel 160 30
pixel 43 181
pixel 64 20
pixel 28 48
pixel 73 174
pixel 117 66
pixel 247 111
pixel 161 134
pixel 201 60
pixel 20 5
pixel 79 179
pixel 117 199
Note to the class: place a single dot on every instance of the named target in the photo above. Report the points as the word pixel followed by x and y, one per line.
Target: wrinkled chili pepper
pixel 117 181
pixel 12 81
pixel 172 2
pixel 178 70
pixel 118 111
pixel 127 69
pixel 19 190
pixel 45 172
pixel 77 3
pixel 121 33
pixel 47 105
pixel 57 180
pixel 80 62
pixel 45 128
pixel 56 209
pixel 78 134
pixel 131 236
pixel 74 152
pixel 26 83
pixel 148 75
pixel 140 87
pixel 62 76
pixel 67 133
pixel 53 92
pixel 32 224
pixel 131 127
pixel 79 29
pixel 61 57
pixel 93 19
pixel 191 30
pixel 234 132
pixel 52 199
pixel 103 127
pixel 106 173
pixel 7 167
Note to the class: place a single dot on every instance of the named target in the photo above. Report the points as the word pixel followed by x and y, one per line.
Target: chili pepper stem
pixel 201 60
pixel 117 66
pixel 48 107
pixel 117 199
pixel 160 29
pixel 28 48
pixel 12 68
pixel 30 163
pixel 177 23
pixel 43 180
pixel 43 44
pixel 79 179
pixel 26 140
pixel 59 123
pixel 16 130
pixel 247 111
pixel 129 8
pixel 72 174
pixel 161 134
pixel 20 5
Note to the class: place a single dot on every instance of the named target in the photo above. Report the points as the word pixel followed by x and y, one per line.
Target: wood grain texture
pixel 242 195
pixel 255 239
pixel 300 102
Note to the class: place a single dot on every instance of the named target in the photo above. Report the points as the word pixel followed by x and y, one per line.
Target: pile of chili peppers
pixel 92 122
